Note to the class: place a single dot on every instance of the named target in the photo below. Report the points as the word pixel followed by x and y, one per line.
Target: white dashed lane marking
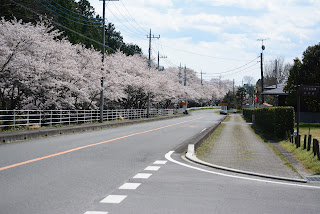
pixel 142 175
pixel 113 199
pixel 130 186
pixel 152 168
pixel 160 162
pixel 116 199
pixel 95 212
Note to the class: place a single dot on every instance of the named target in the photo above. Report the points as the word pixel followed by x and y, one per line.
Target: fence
pixel 16 118
pixel 294 138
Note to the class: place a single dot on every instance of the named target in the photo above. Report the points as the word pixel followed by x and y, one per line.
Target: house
pixel 277 92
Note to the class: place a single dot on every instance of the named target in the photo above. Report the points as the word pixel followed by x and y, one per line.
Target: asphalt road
pixel 74 173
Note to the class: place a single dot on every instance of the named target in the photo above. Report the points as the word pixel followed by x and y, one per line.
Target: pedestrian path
pixel 238 147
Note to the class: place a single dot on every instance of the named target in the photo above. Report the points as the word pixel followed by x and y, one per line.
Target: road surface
pixel 131 170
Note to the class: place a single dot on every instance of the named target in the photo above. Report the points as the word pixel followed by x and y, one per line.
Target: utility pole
pixel 180 73
pixel 185 93
pixel 261 60
pixel 233 88
pixel 201 76
pixel 162 57
pixel 103 52
pixel 276 70
pixel 150 37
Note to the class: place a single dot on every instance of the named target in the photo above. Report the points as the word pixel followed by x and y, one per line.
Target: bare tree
pixel 279 75
pixel 248 80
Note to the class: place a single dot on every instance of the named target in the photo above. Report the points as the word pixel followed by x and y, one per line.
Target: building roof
pixel 275 91
pixel 280 85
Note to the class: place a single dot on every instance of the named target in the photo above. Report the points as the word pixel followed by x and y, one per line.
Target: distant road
pixel 74 173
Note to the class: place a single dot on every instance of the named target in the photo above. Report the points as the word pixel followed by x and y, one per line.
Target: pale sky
pixel 216 36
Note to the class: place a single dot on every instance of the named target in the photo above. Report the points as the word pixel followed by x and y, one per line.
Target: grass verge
pixel 199 109
pixel 311 162
pixel 207 146
pixel 227 119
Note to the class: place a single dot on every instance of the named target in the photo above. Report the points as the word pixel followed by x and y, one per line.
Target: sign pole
pixel 298 110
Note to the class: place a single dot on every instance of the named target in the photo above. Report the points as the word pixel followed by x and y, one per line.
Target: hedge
pixel 247 114
pixel 274 120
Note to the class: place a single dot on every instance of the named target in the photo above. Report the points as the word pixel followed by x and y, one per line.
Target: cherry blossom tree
pixel 39 70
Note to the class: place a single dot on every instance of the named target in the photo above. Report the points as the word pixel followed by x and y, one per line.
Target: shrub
pixel 274 121
pixel 247 114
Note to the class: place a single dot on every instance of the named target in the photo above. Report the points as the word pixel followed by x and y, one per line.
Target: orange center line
pixel 90 145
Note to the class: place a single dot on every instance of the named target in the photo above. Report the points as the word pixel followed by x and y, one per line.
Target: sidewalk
pixel 239 148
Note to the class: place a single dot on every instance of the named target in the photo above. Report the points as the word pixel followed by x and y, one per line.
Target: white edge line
pixel 203 130
pixel 168 157
pixel 96 212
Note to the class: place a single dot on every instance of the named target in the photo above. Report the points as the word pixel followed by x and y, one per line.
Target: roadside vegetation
pixel 199 109
pixel 307 158
pixel 207 146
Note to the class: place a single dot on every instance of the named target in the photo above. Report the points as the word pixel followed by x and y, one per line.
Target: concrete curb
pixel 33 134
pixel 192 157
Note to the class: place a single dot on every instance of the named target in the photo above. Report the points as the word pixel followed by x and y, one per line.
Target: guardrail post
pixel 40 118
pixel 77 112
pixel 50 118
pixel 305 142
pixel 28 117
pixel 60 117
pixel 14 119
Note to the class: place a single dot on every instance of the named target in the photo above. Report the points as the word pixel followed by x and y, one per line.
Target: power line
pixel 57 23
pixel 221 58
pixel 73 11
pixel 237 67
pixel 71 15
pixel 132 32
pixel 133 18
pixel 240 70
pixel 66 17
pixel 127 20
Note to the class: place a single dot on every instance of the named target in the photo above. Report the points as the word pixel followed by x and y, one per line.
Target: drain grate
pixel 286 153
pixel 313 178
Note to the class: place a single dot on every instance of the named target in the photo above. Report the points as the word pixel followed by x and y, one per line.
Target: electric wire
pixel 95 22
pixel 221 58
pixel 132 32
pixel 56 23
pixel 67 17
pixel 127 19
pixel 240 70
pixel 237 67
pixel 73 11
pixel 133 18
pixel 80 34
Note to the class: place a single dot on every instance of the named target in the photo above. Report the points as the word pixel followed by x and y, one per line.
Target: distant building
pixel 277 92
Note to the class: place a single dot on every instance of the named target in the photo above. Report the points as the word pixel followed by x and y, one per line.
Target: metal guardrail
pixel 16 118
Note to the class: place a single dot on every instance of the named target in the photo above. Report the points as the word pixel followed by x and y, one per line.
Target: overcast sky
pixel 217 36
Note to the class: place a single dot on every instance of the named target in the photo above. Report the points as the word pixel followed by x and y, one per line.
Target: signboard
pixel 184 104
pixel 304 90
pixel 224 104
pixel 309 90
